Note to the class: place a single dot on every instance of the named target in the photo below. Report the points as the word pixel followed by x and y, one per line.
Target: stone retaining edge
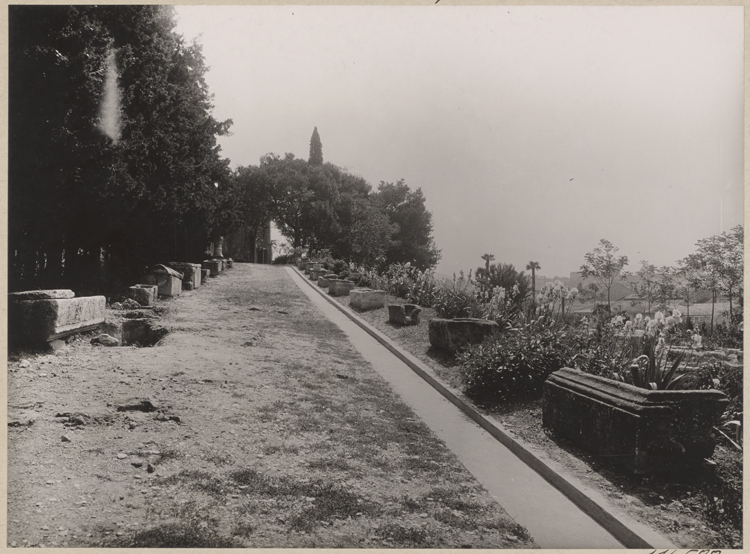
pixel 631 533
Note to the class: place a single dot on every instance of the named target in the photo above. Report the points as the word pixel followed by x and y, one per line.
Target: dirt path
pixel 270 431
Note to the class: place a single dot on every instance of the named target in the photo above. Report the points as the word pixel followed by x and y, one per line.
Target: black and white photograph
pixel 427 276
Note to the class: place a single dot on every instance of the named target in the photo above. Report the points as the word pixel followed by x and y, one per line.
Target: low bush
pixel 457 299
pixel 517 362
pixel 285 259
pixel 423 290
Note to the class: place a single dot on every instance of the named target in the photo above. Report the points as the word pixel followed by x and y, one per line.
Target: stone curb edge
pixel 623 531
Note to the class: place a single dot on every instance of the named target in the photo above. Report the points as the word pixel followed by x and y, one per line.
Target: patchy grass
pixel 176 536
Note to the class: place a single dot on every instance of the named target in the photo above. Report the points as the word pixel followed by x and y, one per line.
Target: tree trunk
pixel 713 303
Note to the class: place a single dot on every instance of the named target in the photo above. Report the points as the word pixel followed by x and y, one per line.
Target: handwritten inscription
pixel 693 551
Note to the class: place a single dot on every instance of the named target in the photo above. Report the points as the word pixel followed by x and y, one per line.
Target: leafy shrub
pixel 285 259
pixel 723 336
pixel 400 278
pixel 372 279
pixel 423 290
pixel 337 266
pixel 457 299
pixel 517 362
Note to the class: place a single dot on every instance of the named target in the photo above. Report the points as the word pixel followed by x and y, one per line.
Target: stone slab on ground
pixel 44 321
pixel 144 294
pixel 191 274
pixel 647 431
pixel 367 299
pixel 452 334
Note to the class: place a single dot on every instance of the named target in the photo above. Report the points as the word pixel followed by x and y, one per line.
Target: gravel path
pixel 270 430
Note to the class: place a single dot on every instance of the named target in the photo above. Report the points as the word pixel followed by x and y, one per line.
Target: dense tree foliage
pixel 604 266
pixel 321 206
pixel 413 241
pixel 316 149
pixel 80 203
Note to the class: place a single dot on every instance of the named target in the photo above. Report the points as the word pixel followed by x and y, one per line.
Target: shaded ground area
pixel 266 429
pixel 701 508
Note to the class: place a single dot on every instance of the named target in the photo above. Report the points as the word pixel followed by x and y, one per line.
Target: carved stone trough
pixel 340 287
pixel 167 279
pixel 647 431
pixel 213 266
pixel 145 295
pixel 191 274
pixel 43 317
pixel 453 334
pixel 325 280
pixel 367 299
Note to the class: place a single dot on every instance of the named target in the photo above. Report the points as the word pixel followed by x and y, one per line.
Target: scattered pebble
pixel 121 456
pixel 65 438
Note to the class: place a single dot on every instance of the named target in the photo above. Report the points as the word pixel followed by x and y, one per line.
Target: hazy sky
pixel 533 131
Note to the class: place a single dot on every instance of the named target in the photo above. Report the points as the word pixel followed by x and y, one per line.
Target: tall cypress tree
pixel 316 149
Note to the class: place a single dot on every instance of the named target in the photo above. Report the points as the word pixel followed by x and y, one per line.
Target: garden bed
pixel 700 508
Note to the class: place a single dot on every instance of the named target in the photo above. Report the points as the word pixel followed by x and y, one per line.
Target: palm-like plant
pixel 652 371
pixel 533 266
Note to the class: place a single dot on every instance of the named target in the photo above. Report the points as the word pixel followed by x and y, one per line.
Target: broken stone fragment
pixel 105 340
pixel 22 418
pixel 136 404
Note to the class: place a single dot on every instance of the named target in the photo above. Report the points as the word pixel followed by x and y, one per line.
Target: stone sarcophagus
pixel 191 274
pixel 647 431
pixel 213 266
pixel 340 287
pixel 325 280
pixel 168 280
pixel 367 299
pixel 145 295
pixel 315 274
pixel 453 334
pixel 39 317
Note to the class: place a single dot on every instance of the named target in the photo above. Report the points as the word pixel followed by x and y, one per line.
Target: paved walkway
pixel 551 518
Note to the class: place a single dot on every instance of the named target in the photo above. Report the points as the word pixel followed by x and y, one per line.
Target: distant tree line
pixel 87 209
pixel 317 205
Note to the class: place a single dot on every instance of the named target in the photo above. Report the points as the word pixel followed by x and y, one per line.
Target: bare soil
pixel 701 508
pixel 265 428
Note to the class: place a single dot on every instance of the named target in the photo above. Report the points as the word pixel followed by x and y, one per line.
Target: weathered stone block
pixel 452 334
pixel 647 431
pixel 168 280
pixel 317 273
pixel 367 299
pixel 145 295
pixel 204 275
pixel 44 321
pixel 40 295
pixel 340 287
pixel 412 312
pixel 191 274
pixel 213 266
pixel 230 263
pixel 403 314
